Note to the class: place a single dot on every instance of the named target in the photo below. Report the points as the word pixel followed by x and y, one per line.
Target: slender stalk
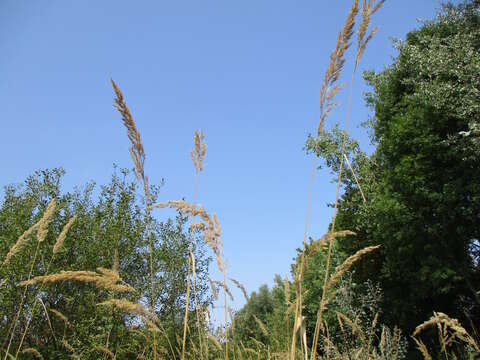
pixel 298 300
pixel 22 301
pixel 319 324
pixel 355 177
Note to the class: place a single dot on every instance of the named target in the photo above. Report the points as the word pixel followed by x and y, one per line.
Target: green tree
pixel 421 183
pixel 109 220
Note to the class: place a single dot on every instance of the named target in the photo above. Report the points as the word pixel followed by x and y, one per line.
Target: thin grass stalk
pixel 367 12
pixel 319 324
pixel 298 300
pixel 58 244
pixel 137 153
pixel 355 177
pixel 21 302
pixel 225 308
pixel 197 154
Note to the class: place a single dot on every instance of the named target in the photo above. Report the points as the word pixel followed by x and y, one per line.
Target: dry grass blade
pixel 423 349
pixel 33 352
pixel 241 287
pixel 106 351
pixel 316 245
pixel 347 264
pixel 69 347
pixel 63 234
pixel 59 315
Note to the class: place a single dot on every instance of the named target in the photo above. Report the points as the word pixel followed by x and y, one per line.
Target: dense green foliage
pixel 421 183
pixel 109 219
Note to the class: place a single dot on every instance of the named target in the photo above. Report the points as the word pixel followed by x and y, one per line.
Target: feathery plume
pixel 198 152
pixel 330 88
pixel 47 216
pixel 41 227
pixel 63 234
pixel 106 279
pixel 261 325
pixel 368 9
pixel 241 287
pixel 347 264
pixel 128 306
pixel 22 240
pixel 136 150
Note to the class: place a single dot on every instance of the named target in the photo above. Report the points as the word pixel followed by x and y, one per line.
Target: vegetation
pixel 93 274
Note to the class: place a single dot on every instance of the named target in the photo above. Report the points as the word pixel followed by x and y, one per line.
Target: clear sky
pixel 247 73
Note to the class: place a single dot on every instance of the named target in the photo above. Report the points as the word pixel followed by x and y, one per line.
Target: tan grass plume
pixel 63 234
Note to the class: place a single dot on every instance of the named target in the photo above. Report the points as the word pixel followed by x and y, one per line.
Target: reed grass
pixel 374 343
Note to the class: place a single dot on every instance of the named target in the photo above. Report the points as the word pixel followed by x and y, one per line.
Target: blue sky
pixel 247 73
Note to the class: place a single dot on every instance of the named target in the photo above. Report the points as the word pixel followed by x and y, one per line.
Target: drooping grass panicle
pixel 242 288
pixel 211 228
pixel 213 287
pixel 316 245
pixel 449 329
pixel 136 150
pixel 226 288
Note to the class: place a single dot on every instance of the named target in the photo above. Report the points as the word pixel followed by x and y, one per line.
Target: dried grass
pixel 198 152
pixel 36 354
pixel 261 325
pixel 63 234
pixel 105 351
pixel 239 285
pixel 105 279
pixel 41 228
